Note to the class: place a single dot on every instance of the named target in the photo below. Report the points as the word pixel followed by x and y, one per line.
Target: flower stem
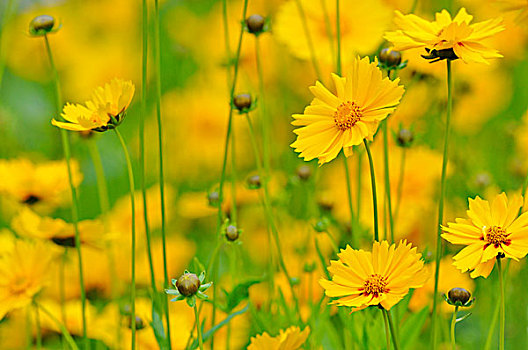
pixel 349 195
pixel 157 55
pixel 374 195
pixel 441 202
pixel 198 327
pixel 102 189
pixel 387 179
pixel 387 332
pixel 358 184
pixel 395 340
pixel 269 214
pixel 400 183
pixel 61 326
pixel 133 249
pixel 75 206
pixel 309 40
pixel 453 323
pixel 265 117
pixel 37 326
pixel 338 38
pixel 502 304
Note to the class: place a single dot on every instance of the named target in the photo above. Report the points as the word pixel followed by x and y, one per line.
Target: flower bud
pixel 41 25
pixel 459 295
pixel 242 102
pixel 304 172
pixel 405 137
pixel 140 324
pixel 254 182
pixel 390 58
pixel 482 180
pixel 188 284
pixel 213 198
pixel 309 267
pixel 231 233
pixel 255 24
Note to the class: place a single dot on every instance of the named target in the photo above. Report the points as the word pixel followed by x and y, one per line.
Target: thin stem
pixel 338 37
pixel 75 206
pixel 269 214
pixel 399 189
pixel 37 326
pixel 395 340
pixel 309 40
pixel 157 55
pixel 61 326
pixel 133 249
pixel 493 324
pixel 387 331
pixel 328 27
pixel 265 121
pixel 198 328
pixel 387 179
pixel 453 323
pixel 374 195
pixel 502 304
pixel 349 195
pixel 441 202
pixel 102 189
pixel 358 184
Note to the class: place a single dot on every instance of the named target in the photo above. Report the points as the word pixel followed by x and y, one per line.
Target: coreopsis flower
pixel 381 277
pixel 23 273
pixel 446 37
pixel 189 287
pixel 489 232
pixel 290 339
pixel 104 111
pixel 340 121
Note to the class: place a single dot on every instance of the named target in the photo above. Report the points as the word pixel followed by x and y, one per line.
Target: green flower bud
pixel 188 284
pixel 232 233
pixel 304 172
pixel 459 295
pixel 41 25
pixel 242 102
pixel 405 137
pixel 254 182
pixel 389 57
pixel 255 24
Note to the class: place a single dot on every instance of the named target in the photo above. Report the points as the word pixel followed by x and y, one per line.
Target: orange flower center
pixel 375 285
pixel 347 115
pixel 496 235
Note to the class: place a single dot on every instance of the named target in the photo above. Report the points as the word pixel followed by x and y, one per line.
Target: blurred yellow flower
pixel 23 273
pixel 489 232
pixel 290 339
pixel 446 35
pixel 381 277
pixel 334 122
pixel 108 103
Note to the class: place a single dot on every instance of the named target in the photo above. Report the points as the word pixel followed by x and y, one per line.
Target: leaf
pixel 213 330
pixel 157 325
pixel 460 319
pixel 238 294
pixel 412 328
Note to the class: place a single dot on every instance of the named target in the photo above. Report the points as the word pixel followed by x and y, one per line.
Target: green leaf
pixel 157 325
pixel 412 328
pixel 238 294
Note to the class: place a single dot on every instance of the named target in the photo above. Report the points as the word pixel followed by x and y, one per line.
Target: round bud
pixel 188 284
pixel 43 24
pixel 231 233
pixel 459 295
pixel 140 324
pixel 482 180
pixel 254 182
pixel 304 172
pixel 405 137
pixel 390 57
pixel 255 24
pixel 242 101
pixel 213 198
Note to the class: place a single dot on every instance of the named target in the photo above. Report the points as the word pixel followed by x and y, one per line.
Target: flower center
pixel 496 235
pixel 375 285
pixel 347 115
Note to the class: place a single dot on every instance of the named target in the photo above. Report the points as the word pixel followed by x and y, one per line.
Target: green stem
pixel 502 304
pixel 453 323
pixel 328 27
pixel 198 328
pixel 349 196
pixel 387 179
pixel 75 206
pixel 133 249
pixel 399 190
pixel 338 37
pixel 265 117
pixel 395 340
pixel 494 319
pixel 37 326
pixel 61 326
pixel 102 189
pixel 5 18
pixel 309 40
pixel 358 184
pixel 387 331
pixel 374 195
pixel 269 214
pixel 441 202
pixel 157 55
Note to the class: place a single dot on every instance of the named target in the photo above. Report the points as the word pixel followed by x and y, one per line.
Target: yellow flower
pixel 23 273
pixel 381 277
pixel 289 339
pixel 107 103
pixel 488 233
pixel 449 38
pixel 334 122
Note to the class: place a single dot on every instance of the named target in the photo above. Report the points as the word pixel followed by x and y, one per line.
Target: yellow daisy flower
pixel 381 277
pixel 446 38
pixel 340 121
pixel 109 101
pixel 289 339
pixel 23 273
pixel 490 232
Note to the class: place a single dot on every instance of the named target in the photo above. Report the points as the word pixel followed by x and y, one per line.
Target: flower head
pixel 189 287
pixel 289 339
pixel 340 121
pixel 381 277
pixel 43 25
pixel 104 111
pixel 489 232
pixel 459 297
pixel 446 37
